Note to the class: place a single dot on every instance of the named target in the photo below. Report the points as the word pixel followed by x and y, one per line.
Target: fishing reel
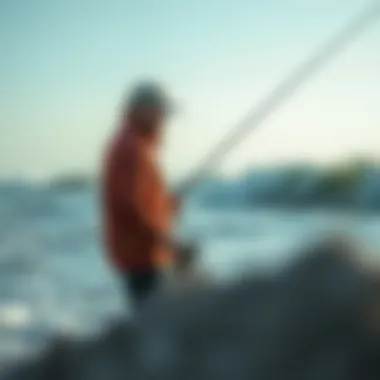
pixel 186 255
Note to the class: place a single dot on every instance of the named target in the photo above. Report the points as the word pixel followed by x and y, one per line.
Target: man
pixel 138 208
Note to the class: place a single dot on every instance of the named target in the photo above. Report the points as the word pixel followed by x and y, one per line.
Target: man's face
pixel 151 119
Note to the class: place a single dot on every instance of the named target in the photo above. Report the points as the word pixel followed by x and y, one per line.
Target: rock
pixel 311 321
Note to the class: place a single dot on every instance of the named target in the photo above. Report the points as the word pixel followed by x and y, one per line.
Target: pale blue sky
pixel 66 63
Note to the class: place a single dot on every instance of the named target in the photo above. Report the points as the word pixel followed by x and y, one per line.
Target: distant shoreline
pixel 351 186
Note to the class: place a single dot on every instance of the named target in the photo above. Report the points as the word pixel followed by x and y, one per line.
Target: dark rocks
pixel 313 321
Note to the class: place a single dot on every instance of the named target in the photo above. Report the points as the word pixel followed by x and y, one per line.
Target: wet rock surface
pixel 316 319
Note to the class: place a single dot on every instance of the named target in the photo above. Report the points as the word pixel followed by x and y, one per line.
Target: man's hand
pixel 185 254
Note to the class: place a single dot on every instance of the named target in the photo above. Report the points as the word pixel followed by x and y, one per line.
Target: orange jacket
pixel 137 205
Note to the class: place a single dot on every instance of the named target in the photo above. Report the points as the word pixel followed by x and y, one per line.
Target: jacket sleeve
pixel 137 188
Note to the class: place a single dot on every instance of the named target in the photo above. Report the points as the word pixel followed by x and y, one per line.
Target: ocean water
pixel 54 275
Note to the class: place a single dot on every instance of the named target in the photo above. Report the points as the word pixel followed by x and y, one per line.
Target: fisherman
pixel 139 210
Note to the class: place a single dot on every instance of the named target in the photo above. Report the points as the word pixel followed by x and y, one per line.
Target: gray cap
pixel 150 94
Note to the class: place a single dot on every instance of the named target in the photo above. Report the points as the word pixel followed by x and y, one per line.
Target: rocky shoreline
pixel 316 319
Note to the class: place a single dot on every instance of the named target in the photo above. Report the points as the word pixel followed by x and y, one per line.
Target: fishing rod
pixel 258 114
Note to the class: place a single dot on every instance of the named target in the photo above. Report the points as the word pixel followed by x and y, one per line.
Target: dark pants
pixel 141 285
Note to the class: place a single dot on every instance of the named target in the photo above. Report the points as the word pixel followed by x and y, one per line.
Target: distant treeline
pixel 350 184
pixel 72 182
